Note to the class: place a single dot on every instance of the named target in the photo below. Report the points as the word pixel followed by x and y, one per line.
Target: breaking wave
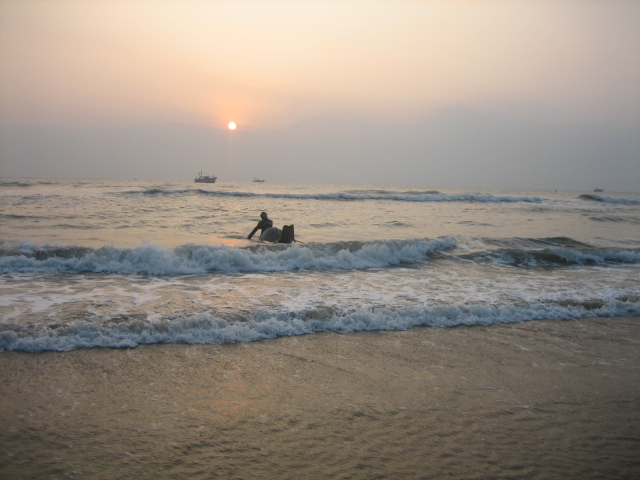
pixel 200 259
pixel 604 199
pixel 193 259
pixel 207 329
pixel 557 257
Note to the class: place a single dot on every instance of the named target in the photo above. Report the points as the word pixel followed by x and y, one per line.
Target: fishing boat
pixel 598 190
pixel 205 178
pixel 258 180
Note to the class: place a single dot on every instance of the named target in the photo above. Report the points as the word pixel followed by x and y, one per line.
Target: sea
pixel 88 263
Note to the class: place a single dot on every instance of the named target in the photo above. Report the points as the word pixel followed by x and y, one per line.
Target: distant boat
pixel 205 178
pixel 598 190
pixel 258 180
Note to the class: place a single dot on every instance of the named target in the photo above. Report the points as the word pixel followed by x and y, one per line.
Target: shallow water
pixel 88 263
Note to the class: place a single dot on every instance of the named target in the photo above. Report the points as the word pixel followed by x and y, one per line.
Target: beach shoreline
pixel 532 400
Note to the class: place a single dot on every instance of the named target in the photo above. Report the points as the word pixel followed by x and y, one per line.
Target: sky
pixel 523 94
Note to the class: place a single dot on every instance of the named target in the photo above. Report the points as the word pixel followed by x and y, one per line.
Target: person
pixel 262 225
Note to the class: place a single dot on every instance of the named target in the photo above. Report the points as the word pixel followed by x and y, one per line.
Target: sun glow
pixel 232 125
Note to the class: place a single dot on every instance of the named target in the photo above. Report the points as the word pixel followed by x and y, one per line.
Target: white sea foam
pixel 205 329
pixel 609 199
pixel 190 259
pixel 559 256
pixel 199 259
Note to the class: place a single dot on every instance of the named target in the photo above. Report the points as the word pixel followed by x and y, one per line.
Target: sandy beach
pixel 535 400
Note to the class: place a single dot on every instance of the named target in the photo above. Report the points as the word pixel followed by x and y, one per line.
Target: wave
pixel 387 192
pixel 604 199
pixel 9 216
pixel 8 183
pixel 192 259
pixel 548 252
pixel 208 329
pixel 557 257
pixel 25 183
pixel 615 219
pixel 344 196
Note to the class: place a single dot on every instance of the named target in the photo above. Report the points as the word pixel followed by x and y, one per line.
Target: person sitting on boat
pixel 262 225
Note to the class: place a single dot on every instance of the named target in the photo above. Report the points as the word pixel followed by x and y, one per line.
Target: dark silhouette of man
pixel 262 225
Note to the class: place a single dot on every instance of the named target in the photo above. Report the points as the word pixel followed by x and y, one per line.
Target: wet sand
pixel 536 400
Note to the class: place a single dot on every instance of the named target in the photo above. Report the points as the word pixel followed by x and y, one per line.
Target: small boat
pixel 258 180
pixel 205 178
pixel 598 190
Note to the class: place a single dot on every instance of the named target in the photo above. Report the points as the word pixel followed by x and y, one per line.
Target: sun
pixel 232 125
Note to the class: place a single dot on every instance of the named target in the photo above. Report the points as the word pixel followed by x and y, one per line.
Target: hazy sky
pixel 477 93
